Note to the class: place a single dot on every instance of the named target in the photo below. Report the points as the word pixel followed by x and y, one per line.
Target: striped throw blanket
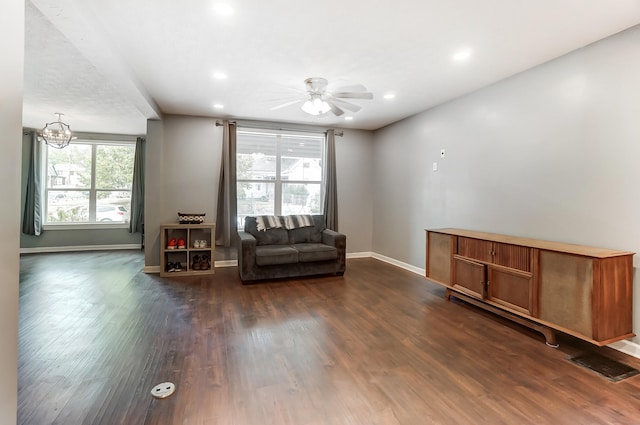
pixel 265 222
pixel 297 221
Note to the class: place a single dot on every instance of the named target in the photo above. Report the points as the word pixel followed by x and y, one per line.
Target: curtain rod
pixel 219 123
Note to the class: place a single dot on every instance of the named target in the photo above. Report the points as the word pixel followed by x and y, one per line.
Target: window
pixel 89 182
pixel 278 173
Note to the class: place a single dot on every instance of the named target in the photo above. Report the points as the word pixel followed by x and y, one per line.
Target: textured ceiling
pixel 110 65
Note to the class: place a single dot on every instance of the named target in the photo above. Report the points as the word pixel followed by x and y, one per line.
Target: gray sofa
pixel 280 253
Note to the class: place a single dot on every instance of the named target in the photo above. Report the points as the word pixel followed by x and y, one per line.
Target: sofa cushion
pixel 267 255
pixel 308 234
pixel 275 236
pixel 309 252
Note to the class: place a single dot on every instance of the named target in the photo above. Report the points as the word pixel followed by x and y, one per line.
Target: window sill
pixel 85 226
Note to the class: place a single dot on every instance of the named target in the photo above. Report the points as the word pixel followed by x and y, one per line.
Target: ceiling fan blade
pixel 347 105
pixel 335 109
pixel 350 88
pixel 353 95
pixel 284 105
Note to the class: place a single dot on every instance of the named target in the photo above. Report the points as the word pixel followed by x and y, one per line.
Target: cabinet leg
pixel 550 337
pixel 447 294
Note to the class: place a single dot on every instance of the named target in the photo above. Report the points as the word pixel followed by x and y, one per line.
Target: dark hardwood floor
pixel 377 346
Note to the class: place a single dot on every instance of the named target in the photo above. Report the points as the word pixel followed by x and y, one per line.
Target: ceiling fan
pixel 318 100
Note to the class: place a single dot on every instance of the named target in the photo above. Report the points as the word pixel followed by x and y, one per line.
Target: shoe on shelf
pixel 181 244
pixel 170 267
pixel 172 244
pixel 195 265
pixel 177 267
pixel 204 263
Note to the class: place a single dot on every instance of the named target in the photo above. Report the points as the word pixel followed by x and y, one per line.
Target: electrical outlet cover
pixel 163 390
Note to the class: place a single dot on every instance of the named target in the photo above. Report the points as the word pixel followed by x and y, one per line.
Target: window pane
pixel 256 156
pixel 252 201
pixel 301 199
pixel 69 167
pixel 301 159
pixel 114 166
pixel 74 195
pixel 67 206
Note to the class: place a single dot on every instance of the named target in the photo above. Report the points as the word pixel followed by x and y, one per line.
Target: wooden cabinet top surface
pixel 185 226
pixel 587 251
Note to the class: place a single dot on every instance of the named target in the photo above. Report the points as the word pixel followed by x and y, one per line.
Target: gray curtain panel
pixel 32 216
pixel 226 217
pixel 136 222
pixel 330 204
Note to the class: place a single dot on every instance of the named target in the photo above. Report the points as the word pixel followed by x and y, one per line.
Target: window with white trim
pixel 88 182
pixel 278 173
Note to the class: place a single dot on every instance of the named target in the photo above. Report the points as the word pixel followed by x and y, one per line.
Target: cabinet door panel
pixel 566 290
pixel 440 248
pixel 469 277
pixel 510 288
pixel 476 249
pixel 512 256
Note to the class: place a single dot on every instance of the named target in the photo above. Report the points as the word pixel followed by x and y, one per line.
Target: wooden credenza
pixel 583 291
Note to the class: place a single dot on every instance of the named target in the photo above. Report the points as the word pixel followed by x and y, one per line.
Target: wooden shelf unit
pixel 583 291
pixel 190 233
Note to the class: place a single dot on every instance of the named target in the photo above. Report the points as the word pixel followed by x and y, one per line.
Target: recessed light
pixel 348 118
pixel 462 55
pixel 389 96
pixel 223 9
pixel 219 75
pixel 218 106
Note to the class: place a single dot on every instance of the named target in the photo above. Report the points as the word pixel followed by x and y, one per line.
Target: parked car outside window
pixel 112 213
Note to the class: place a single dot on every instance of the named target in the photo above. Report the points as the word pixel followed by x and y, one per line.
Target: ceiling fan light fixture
pixel 56 134
pixel 316 106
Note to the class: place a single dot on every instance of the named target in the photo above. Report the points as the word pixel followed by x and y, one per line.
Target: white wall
pixel 12 67
pixel 551 153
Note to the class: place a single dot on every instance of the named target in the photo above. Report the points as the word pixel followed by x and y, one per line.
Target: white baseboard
pixel 226 263
pixel 628 347
pixel 406 266
pixel 151 269
pixel 44 249
pixel 359 254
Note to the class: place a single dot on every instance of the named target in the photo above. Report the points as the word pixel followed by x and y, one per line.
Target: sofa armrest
pixel 246 254
pixel 339 241
pixel 333 238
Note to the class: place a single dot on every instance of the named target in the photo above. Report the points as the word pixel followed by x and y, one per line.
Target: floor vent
pixel 610 369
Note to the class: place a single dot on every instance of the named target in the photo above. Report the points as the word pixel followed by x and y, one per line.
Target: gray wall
pixel 183 167
pixel 551 153
pixel 12 66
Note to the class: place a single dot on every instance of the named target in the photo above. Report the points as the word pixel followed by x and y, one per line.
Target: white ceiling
pixel 111 65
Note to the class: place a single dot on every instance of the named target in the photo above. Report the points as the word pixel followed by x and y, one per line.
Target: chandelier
pixel 57 134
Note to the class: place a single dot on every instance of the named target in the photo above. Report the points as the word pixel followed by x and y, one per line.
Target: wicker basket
pixel 191 218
